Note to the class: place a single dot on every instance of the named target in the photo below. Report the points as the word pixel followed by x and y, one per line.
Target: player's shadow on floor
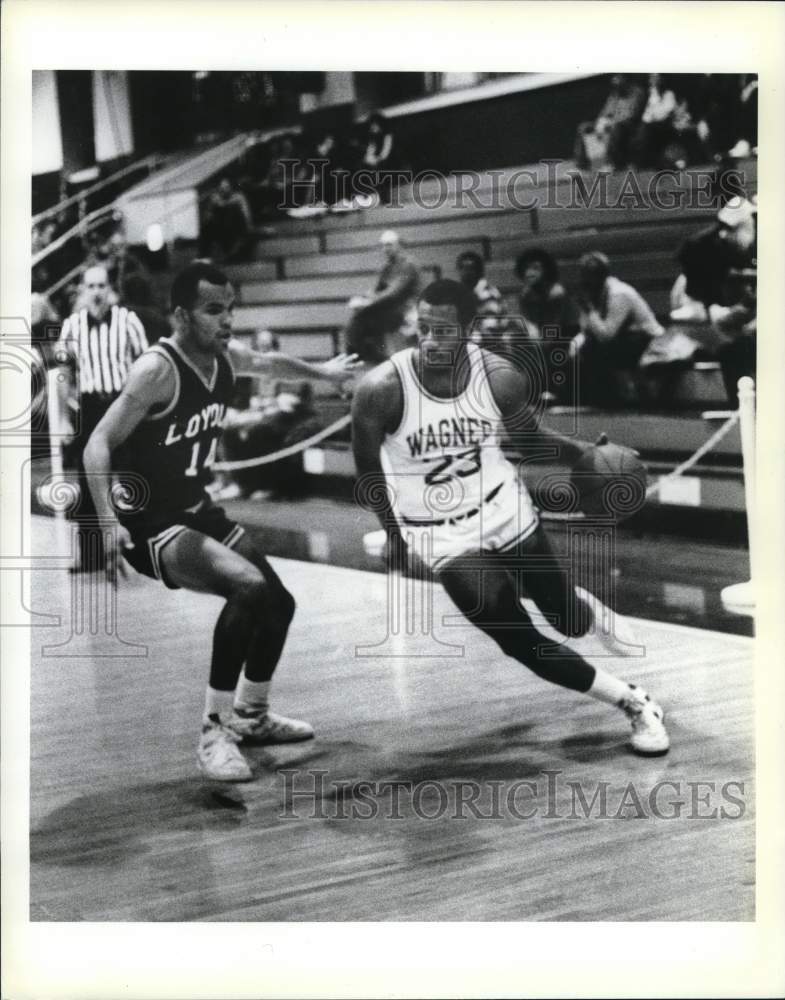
pixel 507 753
pixel 107 828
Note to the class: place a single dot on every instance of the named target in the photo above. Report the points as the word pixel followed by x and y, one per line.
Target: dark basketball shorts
pixel 150 536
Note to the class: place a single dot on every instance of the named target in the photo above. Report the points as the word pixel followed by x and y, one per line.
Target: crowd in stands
pixel 300 174
pixel 266 416
pixel 645 122
pixel 671 122
pixel 596 340
pixel 598 343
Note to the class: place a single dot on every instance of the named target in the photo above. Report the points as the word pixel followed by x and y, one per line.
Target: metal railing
pixel 151 162
pixel 81 228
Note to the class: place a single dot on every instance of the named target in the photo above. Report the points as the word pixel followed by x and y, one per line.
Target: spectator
pixel 120 262
pixel 489 324
pixel 617 326
pixel 707 258
pixel 385 312
pixel 227 223
pixel 718 285
pixel 378 156
pixel 614 127
pixel 687 142
pixel 326 151
pixel 98 344
pixel 379 143
pixel 656 129
pixel 737 326
pixel 254 428
pixel 252 396
pixel 43 234
pixel 550 315
pixel 264 341
pixel 724 110
pixel 43 314
pixel 272 183
pixel 747 118
pixel 137 295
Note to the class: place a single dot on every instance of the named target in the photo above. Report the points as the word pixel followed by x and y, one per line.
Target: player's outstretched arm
pixel 249 362
pixel 375 409
pixel 516 400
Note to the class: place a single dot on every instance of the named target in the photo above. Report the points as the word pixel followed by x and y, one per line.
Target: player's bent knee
pixel 251 591
pixel 285 606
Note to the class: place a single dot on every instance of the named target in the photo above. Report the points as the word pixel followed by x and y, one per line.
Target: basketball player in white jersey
pixel 427 426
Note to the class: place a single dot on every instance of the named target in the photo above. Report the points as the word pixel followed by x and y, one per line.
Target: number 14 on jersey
pixel 194 467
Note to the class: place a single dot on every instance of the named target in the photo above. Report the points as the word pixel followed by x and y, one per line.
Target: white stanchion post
pixel 740 597
pixel 55 424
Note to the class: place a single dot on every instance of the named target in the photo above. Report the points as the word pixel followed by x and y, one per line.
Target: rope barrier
pixel 293 449
pixel 716 437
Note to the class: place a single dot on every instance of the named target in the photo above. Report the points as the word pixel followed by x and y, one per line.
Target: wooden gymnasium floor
pixel 123 828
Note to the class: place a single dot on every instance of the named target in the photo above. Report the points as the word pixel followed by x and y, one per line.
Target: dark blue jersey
pixel 171 451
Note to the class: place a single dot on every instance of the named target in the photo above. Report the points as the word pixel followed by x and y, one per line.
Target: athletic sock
pixel 605 687
pixel 252 696
pixel 216 703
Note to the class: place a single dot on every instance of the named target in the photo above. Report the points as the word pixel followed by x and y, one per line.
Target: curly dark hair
pixel 538 255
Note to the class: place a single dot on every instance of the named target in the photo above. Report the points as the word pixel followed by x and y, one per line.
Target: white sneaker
pixel 613 631
pixel 218 755
pixel 649 736
pixel 267 727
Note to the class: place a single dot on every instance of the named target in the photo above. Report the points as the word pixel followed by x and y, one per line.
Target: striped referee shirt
pixel 102 351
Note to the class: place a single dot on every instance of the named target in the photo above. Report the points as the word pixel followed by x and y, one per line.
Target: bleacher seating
pixel 303 275
pixel 305 272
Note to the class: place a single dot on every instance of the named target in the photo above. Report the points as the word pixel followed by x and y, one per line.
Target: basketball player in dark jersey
pixel 427 427
pixel 162 432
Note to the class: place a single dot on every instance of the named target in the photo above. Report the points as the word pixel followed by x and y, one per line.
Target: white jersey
pixel 445 460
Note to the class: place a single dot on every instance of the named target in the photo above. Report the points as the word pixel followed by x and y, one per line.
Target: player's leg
pixel 489 598
pixel 197 562
pixel 574 611
pixel 252 718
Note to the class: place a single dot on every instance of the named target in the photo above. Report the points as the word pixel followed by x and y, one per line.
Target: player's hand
pixel 340 368
pixel 114 543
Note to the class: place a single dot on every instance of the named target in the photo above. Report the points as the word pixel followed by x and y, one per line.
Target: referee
pixel 97 346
